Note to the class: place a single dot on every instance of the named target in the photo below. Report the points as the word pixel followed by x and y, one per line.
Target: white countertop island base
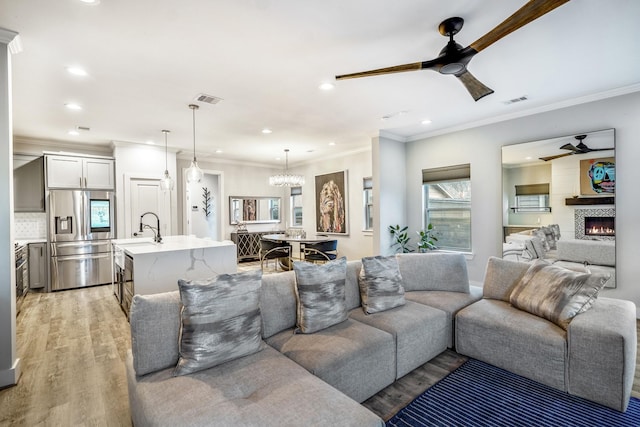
pixel 158 266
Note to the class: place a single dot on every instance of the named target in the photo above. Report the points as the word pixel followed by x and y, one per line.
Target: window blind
pixel 532 189
pixel 447 173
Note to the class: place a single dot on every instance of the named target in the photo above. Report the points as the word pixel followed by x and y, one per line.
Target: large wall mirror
pixel 254 210
pixel 558 198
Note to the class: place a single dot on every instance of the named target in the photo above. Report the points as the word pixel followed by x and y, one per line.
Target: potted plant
pixel 400 239
pixel 427 239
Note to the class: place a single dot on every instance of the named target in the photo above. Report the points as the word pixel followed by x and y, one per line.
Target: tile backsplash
pixel 30 225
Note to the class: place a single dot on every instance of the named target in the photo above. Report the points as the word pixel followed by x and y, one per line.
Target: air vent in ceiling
pixel 209 99
pixel 514 100
pixel 83 128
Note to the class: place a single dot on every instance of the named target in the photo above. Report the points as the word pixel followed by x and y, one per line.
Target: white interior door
pixel 146 195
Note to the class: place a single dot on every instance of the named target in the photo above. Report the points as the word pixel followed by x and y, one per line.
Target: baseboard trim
pixel 9 377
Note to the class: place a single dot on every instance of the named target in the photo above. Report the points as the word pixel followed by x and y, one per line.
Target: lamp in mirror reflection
pixel 286 179
pixel 166 182
pixel 194 173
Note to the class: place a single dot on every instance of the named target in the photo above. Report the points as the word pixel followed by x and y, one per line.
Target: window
pixel 367 201
pixel 296 206
pixel 532 198
pixel 447 205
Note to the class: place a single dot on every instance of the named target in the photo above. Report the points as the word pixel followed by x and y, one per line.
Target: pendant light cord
pixel 193 109
pixel 166 168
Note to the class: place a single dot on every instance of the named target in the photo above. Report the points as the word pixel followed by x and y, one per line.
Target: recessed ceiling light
pixel 93 2
pixel 218 151
pixel 528 158
pixel 332 143
pixel 426 122
pixel 327 86
pixel 76 71
pixel 149 142
pixel 73 132
pixel 73 106
pixel 266 130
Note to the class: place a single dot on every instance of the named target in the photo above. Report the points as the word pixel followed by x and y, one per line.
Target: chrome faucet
pixel 156 236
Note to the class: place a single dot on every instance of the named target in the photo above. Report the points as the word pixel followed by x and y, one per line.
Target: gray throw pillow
pixel 220 320
pixel 534 248
pixel 555 293
pixel 380 284
pixel 544 237
pixel 320 294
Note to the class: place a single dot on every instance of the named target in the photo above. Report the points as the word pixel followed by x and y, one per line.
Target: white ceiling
pixel 148 59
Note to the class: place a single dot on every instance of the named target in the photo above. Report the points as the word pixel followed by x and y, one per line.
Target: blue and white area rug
pixel 478 394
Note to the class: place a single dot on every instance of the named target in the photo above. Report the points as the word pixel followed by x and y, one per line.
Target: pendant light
pixel 285 179
pixel 166 182
pixel 194 173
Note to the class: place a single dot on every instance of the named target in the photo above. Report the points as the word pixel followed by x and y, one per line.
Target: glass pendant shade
pixel 166 183
pixel 286 179
pixel 194 173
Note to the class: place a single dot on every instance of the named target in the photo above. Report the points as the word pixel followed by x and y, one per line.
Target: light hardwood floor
pixel 72 345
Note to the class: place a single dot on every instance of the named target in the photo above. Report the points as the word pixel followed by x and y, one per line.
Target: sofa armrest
pixel 602 345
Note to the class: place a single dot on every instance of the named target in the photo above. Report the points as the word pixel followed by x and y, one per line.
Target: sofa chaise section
pixel 593 358
pixel 265 388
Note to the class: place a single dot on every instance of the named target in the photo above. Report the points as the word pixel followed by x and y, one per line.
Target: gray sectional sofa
pixel 320 378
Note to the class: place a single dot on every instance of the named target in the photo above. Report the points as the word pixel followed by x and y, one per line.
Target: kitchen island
pixel 145 267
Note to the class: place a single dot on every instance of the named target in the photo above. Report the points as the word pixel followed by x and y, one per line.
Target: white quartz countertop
pixel 139 246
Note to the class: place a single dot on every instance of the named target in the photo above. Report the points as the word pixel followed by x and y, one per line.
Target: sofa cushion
pixel 421 332
pixel 534 248
pixel 357 359
pixel 380 284
pixel 278 302
pixel 434 271
pixel 320 294
pixel 597 252
pixel 504 336
pixel 449 302
pixel 501 277
pixel 155 331
pixel 555 293
pixel 262 389
pixel 220 320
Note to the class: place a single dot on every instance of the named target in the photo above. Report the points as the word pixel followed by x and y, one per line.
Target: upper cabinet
pixel 28 186
pixel 80 172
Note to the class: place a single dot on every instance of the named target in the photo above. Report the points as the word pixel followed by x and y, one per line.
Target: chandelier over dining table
pixel 286 179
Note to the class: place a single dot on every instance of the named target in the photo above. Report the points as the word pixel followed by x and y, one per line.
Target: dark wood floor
pixel 72 345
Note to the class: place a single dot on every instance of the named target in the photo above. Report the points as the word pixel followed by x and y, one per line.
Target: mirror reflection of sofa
pixel 575 254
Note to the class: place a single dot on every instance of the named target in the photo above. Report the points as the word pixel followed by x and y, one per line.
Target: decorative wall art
pixel 331 203
pixel 598 176
pixel 249 209
pixel 206 201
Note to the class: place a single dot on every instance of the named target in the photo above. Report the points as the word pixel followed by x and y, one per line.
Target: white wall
pixel 389 191
pixel 202 225
pixel 481 148
pixel 143 161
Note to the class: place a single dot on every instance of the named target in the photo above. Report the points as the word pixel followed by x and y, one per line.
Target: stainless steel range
pixel 81 226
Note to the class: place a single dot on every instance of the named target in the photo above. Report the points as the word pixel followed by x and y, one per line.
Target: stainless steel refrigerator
pixel 81 226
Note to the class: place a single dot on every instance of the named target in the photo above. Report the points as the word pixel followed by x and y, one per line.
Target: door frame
pixel 186 213
pixel 126 208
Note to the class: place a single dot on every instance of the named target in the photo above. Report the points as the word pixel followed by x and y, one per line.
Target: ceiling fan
pixel 580 148
pixel 453 58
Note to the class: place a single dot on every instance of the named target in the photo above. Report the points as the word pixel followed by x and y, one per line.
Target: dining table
pixel 300 240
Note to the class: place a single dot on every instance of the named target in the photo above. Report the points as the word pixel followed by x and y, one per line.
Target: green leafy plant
pixel 400 239
pixel 427 239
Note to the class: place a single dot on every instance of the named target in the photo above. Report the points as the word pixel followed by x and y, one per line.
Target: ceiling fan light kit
pixel 453 58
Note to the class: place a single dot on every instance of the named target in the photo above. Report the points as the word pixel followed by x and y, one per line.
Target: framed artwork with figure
pixel 331 203
pixel 598 176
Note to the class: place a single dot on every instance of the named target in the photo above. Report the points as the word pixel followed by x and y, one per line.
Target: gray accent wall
pixel 481 147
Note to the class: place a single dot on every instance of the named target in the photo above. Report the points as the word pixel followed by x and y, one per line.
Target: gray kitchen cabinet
pixel 37 265
pixel 28 186
pixel 80 172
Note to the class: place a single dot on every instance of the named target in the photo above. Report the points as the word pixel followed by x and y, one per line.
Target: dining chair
pixel 321 251
pixel 278 251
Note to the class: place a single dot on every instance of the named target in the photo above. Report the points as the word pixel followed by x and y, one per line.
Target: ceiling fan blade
pixel 557 156
pixel 388 70
pixel 571 147
pixel 527 13
pixel 473 85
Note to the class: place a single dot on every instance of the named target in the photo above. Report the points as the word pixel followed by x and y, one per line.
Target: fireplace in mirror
pixel 598 224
